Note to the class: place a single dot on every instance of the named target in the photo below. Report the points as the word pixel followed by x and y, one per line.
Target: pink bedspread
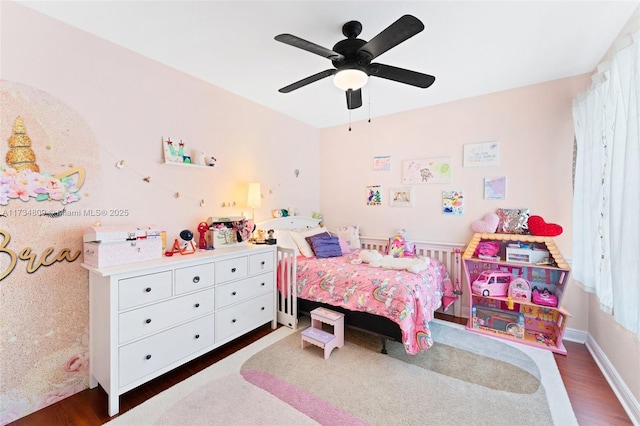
pixel 406 298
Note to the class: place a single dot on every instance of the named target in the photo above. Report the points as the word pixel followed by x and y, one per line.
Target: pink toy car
pixel 492 283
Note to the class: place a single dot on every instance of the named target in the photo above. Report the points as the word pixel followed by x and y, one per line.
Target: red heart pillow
pixel 537 226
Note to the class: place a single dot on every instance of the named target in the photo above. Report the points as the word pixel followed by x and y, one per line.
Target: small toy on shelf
pixel 520 289
pixel 492 283
pixel 544 297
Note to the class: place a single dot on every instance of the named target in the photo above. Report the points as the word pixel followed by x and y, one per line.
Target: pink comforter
pixel 406 298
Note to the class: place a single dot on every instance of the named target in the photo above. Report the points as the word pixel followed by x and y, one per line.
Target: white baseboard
pixel 626 398
pixel 577 336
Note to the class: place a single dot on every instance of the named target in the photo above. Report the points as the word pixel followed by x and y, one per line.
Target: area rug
pixel 464 378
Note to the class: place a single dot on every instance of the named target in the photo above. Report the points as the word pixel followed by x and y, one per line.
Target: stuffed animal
pixel 399 246
pixel 377 260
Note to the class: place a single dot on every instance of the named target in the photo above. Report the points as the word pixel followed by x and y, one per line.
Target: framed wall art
pixel 426 170
pixel 482 154
pixel 452 202
pixel 374 195
pixel 382 163
pixel 495 188
pixel 401 197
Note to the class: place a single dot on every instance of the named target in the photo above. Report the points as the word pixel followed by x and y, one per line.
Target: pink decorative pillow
pixel 487 225
pixel 344 246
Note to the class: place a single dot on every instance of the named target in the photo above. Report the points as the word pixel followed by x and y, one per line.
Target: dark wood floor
pixel 593 400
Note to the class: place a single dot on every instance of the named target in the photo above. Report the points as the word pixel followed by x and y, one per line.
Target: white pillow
pixel 351 234
pixel 303 245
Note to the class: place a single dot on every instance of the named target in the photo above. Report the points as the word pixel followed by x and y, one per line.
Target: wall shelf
pixel 200 166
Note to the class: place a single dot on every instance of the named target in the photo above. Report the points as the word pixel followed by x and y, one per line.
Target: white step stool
pixel 315 335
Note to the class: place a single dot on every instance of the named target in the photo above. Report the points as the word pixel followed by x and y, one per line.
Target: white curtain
pixel 606 206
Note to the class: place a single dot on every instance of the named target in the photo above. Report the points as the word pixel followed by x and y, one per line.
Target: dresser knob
pixel 197 336
pixel 196 279
pixel 148 321
pixel 233 269
pixel 197 305
pixel 262 284
pixel 262 263
pixel 148 357
pixel 233 293
pixel 148 289
pixel 233 320
pixel 262 309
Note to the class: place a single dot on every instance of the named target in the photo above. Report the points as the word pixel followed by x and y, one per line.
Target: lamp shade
pixel 254 198
pixel 352 79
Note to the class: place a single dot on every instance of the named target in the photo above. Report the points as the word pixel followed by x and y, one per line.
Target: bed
pixel 393 303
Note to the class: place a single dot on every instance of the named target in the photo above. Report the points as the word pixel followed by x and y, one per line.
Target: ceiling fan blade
pixel 401 75
pixel 308 80
pixel 308 46
pixel 354 98
pixel 404 28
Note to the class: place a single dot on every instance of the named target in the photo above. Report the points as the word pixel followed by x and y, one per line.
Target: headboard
pixel 289 222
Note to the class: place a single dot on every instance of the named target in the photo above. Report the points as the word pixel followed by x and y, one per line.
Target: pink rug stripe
pixel 318 409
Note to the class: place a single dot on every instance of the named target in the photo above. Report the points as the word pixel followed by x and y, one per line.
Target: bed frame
pixel 289 307
pixel 449 254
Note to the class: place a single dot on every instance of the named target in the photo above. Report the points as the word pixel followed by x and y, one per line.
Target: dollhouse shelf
pixel 175 163
pixel 515 319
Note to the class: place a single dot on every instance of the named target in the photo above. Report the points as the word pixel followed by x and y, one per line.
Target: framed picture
pixel 452 202
pixel 374 196
pixel 401 197
pixel 382 163
pixel 426 170
pixel 495 188
pixel 481 154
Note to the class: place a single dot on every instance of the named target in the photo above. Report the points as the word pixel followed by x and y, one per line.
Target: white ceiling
pixel 471 47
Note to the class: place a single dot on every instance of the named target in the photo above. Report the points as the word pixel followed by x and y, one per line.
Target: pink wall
pixel 95 104
pixel 534 129
pixel 532 125
pixel 90 104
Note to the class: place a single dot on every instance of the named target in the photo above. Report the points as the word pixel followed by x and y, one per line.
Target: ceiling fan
pixel 352 58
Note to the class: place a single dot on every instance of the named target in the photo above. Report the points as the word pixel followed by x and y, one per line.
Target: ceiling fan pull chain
pixel 349 120
pixel 369 102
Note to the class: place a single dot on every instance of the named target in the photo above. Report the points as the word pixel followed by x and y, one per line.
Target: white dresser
pixel 149 317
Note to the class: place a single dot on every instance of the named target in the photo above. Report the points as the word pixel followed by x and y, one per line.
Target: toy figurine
pixel 203 227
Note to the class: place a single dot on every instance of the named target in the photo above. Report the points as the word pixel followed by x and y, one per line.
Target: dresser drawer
pixel 239 291
pixel 145 356
pixel 232 269
pixel 194 278
pixel 151 319
pixel 262 262
pixel 144 289
pixel 235 319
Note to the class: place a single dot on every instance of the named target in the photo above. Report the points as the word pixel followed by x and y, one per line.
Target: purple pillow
pixel 326 246
pixel 322 234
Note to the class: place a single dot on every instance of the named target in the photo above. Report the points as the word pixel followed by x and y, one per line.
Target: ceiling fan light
pixel 352 79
